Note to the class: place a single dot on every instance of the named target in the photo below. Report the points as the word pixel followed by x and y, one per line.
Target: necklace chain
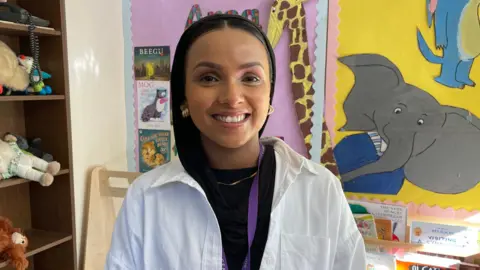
pixel 238 181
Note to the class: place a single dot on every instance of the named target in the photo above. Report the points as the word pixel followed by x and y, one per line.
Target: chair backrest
pixel 106 193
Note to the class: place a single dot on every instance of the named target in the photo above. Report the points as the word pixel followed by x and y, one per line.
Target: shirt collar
pixel 289 165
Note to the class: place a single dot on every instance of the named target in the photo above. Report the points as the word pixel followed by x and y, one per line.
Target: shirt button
pixel 269 259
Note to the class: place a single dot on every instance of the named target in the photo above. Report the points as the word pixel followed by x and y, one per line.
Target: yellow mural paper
pixel 407 81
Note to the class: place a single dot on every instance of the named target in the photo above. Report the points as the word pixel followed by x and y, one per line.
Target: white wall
pixel 97 93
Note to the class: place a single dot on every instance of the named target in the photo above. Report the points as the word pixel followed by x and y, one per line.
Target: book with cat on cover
pixel 153 105
pixel 153 149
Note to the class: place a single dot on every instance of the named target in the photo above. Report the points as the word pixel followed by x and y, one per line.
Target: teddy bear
pixel 14 162
pixel 12 75
pixel 13 244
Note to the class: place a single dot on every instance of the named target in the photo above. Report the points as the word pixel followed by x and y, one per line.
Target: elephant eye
pixel 420 122
pixel 397 110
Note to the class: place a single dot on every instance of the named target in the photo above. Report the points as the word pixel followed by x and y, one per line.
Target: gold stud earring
pixel 184 109
pixel 270 109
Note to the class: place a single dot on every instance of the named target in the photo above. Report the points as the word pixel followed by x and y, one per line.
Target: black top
pixel 233 219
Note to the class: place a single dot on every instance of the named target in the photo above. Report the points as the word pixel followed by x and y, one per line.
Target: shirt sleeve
pixel 350 253
pixel 126 246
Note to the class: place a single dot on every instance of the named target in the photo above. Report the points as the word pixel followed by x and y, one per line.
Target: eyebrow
pixel 217 66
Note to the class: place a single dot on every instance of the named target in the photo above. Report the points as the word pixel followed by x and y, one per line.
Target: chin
pixel 230 142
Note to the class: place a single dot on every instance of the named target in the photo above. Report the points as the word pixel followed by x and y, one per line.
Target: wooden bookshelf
pixel 46 214
pixel 41 241
pixel 15 29
pixel 31 98
pixel 18 181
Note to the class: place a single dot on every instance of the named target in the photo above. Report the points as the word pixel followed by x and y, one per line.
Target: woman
pixel 232 201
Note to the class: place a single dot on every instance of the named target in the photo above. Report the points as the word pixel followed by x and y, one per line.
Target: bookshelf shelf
pixel 18 181
pixel 40 241
pixel 16 29
pixel 31 98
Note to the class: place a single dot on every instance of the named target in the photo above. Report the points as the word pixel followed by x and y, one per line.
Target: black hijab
pixel 187 135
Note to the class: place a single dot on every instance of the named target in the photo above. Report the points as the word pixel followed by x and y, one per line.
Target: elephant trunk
pixel 399 151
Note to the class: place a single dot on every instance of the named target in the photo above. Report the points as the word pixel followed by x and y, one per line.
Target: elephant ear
pixel 373 69
pixel 376 81
pixel 467 115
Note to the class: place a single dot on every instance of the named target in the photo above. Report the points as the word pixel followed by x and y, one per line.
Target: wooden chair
pixel 106 193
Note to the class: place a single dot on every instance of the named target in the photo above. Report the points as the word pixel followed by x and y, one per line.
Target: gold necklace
pixel 238 181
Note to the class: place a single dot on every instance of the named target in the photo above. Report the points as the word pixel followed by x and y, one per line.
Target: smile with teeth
pixel 231 119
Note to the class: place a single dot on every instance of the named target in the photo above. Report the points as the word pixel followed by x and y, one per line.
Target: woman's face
pixel 228 86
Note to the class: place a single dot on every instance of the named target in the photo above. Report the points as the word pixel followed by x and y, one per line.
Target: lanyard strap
pixel 252 216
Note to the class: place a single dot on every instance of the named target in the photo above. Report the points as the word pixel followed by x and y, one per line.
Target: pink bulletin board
pixel 159 24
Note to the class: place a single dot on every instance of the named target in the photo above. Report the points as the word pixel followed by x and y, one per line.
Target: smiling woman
pixel 228 92
pixel 232 200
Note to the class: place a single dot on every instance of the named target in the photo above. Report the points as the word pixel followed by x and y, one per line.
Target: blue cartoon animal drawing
pixel 457 32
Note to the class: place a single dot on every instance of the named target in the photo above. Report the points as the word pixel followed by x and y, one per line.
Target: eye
pixel 251 79
pixel 208 79
pixel 420 122
pixel 397 110
pixel 274 9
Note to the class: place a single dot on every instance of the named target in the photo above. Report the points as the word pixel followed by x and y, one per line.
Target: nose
pixel 231 93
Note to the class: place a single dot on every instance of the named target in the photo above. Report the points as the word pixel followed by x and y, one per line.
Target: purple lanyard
pixel 252 216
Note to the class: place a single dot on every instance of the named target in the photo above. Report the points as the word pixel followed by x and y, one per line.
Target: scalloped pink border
pixel 135 98
pixel 331 65
pixel 425 210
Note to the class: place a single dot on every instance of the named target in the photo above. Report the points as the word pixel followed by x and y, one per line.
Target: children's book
pixel 380 261
pixel 384 228
pixel 153 148
pixel 366 225
pixel 396 213
pixel 415 261
pixel 444 235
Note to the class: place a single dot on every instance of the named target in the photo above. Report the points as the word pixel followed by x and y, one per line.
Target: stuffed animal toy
pixel 40 87
pixel 26 62
pixel 14 162
pixel 33 147
pixel 12 75
pixel 13 244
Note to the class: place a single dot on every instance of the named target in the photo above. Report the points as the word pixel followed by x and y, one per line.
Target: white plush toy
pixel 14 162
pixel 12 74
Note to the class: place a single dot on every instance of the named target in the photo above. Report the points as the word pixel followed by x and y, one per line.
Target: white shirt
pixel 167 223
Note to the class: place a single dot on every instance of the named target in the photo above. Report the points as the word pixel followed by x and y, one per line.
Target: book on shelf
pixel 380 261
pixel 384 229
pixel 415 261
pixel 366 225
pixel 455 236
pixel 409 261
pixel 397 214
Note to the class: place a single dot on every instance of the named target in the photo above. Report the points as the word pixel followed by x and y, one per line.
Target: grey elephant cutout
pixel 437 145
